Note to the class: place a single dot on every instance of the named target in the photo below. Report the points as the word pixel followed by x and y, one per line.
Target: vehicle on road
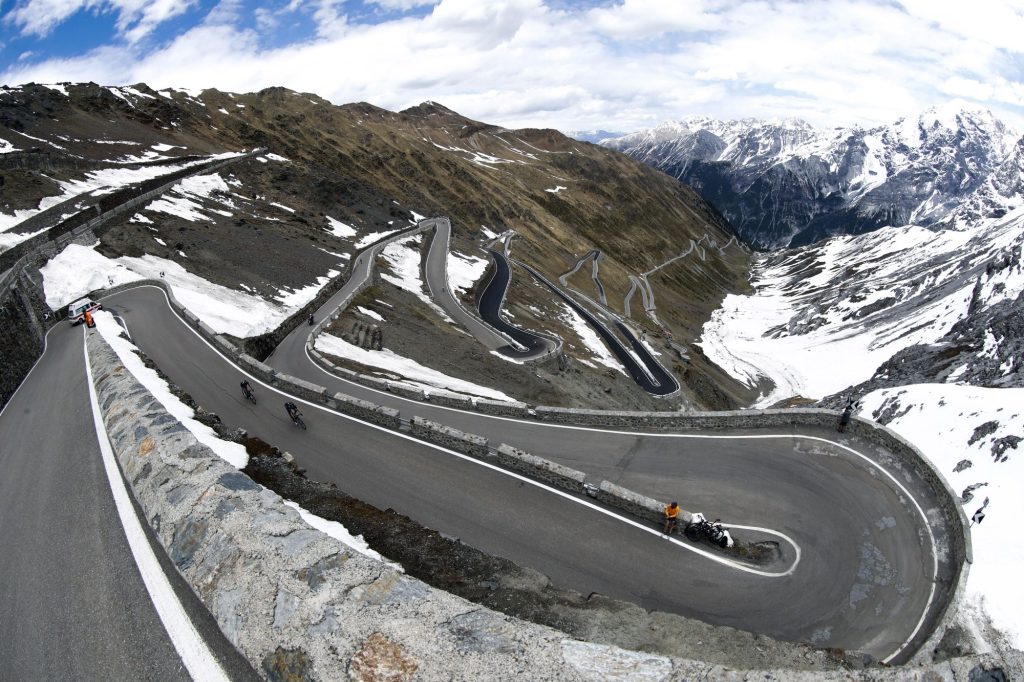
pixel 295 415
pixel 248 392
pixel 713 531
pixel 77 310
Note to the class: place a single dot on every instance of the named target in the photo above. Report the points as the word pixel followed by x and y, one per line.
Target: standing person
pixel 844 420
pixel 88 319
pixel 671 515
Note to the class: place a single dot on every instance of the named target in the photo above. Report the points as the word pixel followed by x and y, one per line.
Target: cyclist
pixel 293 411
pixel 671 515
pixel 311 318
pixel 246 389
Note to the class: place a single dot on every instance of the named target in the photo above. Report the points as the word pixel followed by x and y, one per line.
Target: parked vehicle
pixel 76 311
pixel 699 527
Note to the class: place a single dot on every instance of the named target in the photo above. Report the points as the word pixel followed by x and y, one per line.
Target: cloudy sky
pixel 571 64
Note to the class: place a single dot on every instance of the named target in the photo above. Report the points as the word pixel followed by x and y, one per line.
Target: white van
pixel 76 311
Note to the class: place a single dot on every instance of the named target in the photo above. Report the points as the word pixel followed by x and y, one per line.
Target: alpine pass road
pixel 860 573
pixel 79 579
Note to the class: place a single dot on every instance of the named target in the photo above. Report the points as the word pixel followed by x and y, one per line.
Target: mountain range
pixel 787 183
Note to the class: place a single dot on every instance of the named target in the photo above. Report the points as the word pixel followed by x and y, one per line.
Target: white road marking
pixel 195 655
pixel 124 325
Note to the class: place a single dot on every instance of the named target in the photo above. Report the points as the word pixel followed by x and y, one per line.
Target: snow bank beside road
pixel 942 420
pixel 77 270
pixel 232 453
pixel 413 373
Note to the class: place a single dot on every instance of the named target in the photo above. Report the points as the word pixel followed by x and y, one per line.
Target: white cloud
pixel 135 18
pixel 403 4
pixel 617 66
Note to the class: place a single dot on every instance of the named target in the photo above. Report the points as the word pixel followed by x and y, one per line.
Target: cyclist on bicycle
pixel 246 388
pixel 671 516
pixel 293 411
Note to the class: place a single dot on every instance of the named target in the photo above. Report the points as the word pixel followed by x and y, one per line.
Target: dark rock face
pixel 788 184
pixel 22 328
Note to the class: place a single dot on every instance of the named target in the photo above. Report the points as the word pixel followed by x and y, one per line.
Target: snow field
pixel 77 270
pixel 464 271
pixel 340 229
pixel 96 182
pixel 185 198
pixel 825 318
pixel 808 327
pixel 940 419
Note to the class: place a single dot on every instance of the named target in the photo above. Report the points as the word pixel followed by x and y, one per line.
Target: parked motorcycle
pixel 699 527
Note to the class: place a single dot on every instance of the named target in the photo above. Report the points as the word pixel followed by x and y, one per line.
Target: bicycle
pixel 295 415
pixel 248 393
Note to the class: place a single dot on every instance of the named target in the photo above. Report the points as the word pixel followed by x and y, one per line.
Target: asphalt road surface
pixel 72 601
pixel 649 374
pixel 865 576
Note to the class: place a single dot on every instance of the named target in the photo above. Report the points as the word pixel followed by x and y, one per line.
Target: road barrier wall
pixel 301 605
pixel 541 469
pixel 446 436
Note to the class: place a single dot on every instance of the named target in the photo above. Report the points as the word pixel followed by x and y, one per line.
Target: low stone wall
pixel 502 409
pixel 541 469
pixel 446 436
pixel 299 604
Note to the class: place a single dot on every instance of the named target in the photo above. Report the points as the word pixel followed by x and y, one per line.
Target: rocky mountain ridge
pixel 786 183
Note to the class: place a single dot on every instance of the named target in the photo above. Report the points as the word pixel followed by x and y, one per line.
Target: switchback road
pixel 867 571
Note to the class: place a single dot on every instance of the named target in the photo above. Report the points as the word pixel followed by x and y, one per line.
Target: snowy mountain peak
pixel 819 182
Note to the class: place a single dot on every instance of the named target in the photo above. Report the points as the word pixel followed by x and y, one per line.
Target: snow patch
pixel 940 419
pixel 464 271
pixel 232 453
pixel 416 374
pixel 77 270
pixel 341 534
pixel 370 313
pixel 340 229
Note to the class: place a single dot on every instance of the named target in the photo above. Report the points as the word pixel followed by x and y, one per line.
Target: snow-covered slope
pixel 926 328
pixel 787 183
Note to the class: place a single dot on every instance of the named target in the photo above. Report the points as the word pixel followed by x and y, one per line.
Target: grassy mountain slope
pixel 370 168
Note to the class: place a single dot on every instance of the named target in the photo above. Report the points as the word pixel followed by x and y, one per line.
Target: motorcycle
pixel 699 527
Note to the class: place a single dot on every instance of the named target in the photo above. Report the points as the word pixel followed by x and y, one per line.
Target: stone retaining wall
pixel 541 469
pixel 446 436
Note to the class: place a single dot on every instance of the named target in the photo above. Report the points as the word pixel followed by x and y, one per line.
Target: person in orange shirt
pixel 671 514
pixel 88 319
